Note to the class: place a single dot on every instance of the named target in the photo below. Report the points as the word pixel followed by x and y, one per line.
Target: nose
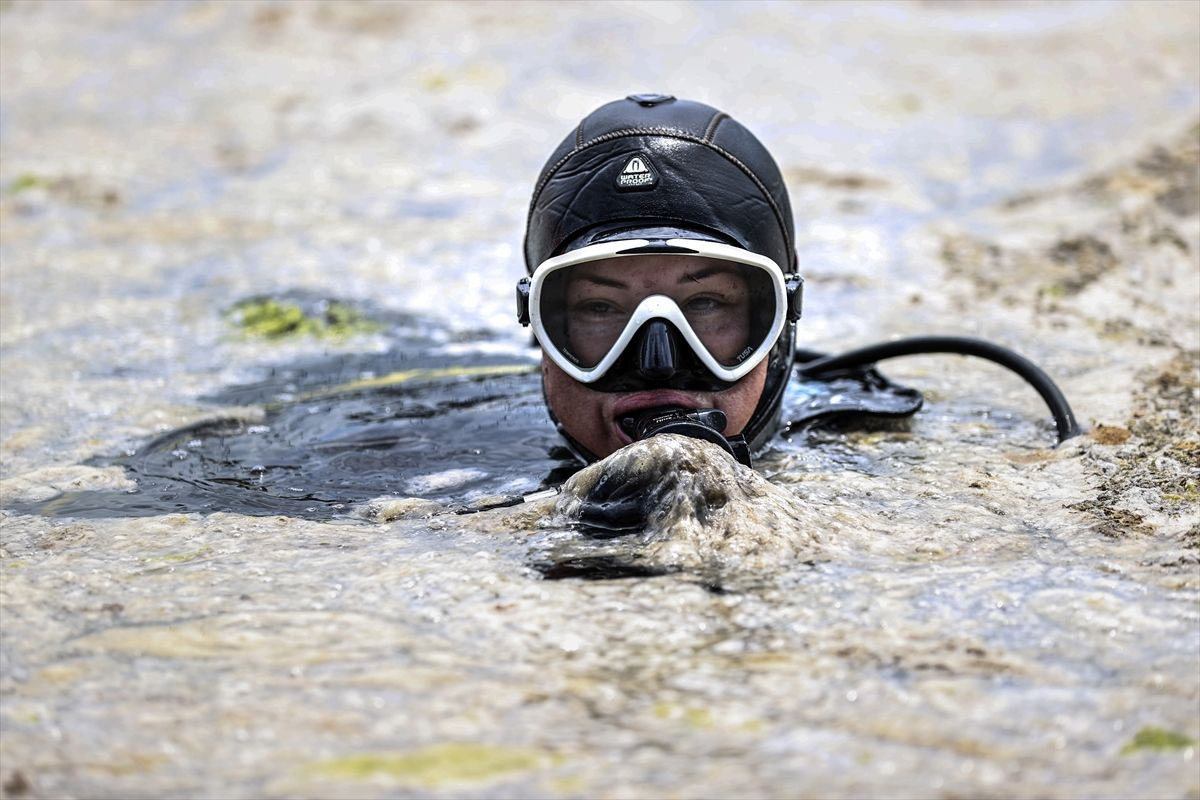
pixel 657 357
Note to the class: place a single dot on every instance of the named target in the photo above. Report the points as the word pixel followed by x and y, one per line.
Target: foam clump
pixel 692 505
pixel 390 509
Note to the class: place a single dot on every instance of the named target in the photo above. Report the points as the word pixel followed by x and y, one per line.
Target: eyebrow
pixel 602 281
pixel 708 272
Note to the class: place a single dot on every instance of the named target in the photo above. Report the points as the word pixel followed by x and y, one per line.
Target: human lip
pixel 660 397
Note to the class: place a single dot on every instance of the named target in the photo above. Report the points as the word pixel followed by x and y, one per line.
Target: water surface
pixel 988 615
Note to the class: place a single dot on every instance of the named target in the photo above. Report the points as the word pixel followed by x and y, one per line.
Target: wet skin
pixel 603 295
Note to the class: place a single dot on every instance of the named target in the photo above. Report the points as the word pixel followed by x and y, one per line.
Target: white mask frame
pixel 787 291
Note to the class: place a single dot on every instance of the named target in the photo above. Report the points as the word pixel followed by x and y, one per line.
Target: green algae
pixel 568 785
pixel 436 765
pixel 401 377
pixel 268 318
pixel 25 181
pixel 691 716
pixel 1151 738
pixel 435 82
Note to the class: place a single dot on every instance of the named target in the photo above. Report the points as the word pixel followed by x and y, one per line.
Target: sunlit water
pixel 178 624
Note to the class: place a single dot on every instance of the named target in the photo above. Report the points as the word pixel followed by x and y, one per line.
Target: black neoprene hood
pixel 699 171
pixel 653 166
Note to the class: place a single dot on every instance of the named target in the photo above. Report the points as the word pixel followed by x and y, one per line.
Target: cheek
pixel 731 341
pixel 578 409
pixel 739 402
pixel 589 344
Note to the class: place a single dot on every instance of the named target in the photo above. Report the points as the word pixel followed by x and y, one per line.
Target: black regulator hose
pixel 1064 417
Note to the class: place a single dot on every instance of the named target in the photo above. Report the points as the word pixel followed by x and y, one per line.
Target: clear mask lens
pixel 731 308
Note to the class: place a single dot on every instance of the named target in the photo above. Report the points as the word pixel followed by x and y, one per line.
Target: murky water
pixel 974 613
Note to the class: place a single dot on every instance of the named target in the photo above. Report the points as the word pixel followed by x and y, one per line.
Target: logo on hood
pixel 638 173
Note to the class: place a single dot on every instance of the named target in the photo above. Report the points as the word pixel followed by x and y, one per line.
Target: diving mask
pixel 677 312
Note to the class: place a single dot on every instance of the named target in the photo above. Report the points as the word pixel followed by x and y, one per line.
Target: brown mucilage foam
pixel 691 505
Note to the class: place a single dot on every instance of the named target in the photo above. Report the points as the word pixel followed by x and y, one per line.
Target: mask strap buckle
pixel 794 284
pixel 523 302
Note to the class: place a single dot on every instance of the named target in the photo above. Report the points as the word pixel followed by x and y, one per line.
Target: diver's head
pixel 661 258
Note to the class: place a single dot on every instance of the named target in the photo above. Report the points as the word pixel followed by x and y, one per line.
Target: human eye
pixel 705 304
pixel 596 308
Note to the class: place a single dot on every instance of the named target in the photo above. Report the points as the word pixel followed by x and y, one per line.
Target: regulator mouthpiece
pixel 698 423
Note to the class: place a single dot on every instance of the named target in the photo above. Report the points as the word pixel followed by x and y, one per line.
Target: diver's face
pixel 601 295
